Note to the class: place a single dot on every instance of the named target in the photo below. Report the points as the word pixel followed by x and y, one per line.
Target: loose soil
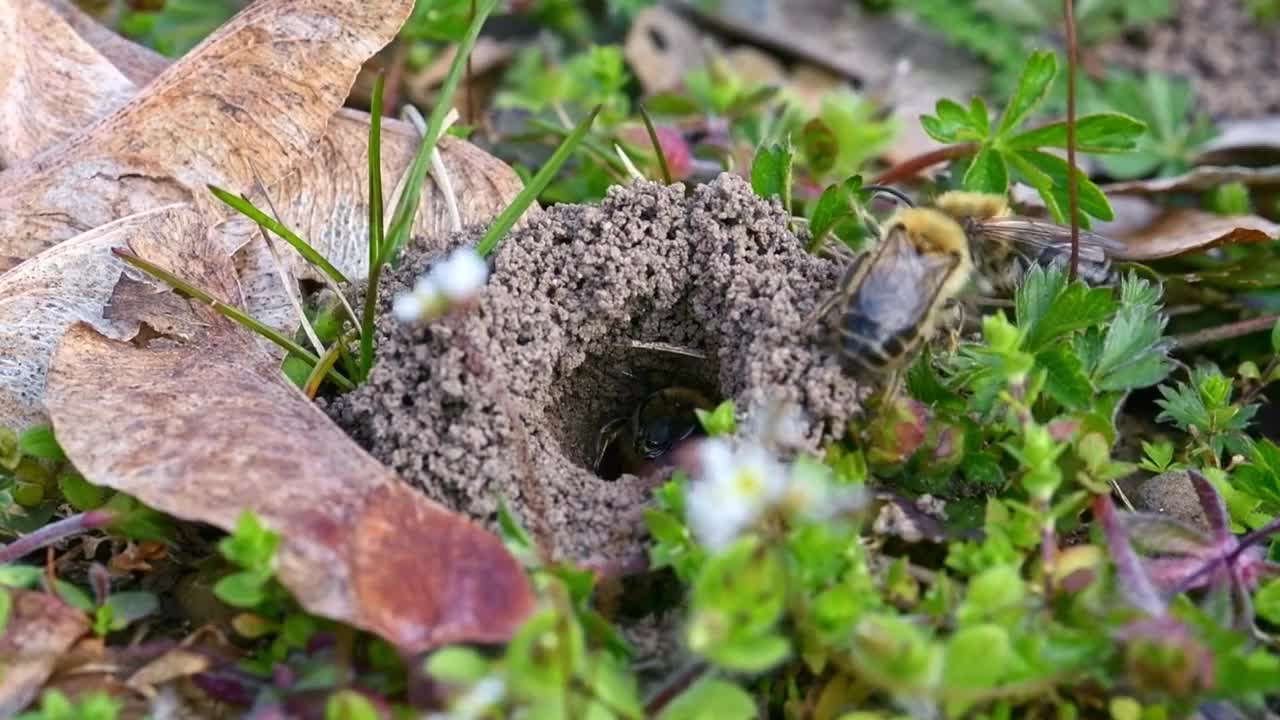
pixel 506 400
pixel 1230 57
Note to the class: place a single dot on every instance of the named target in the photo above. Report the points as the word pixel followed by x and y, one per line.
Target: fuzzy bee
pixel 1005 246
pixel 894 298
pixel 662 420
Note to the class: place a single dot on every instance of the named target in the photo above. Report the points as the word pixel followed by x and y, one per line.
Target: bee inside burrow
pixel 897 296
pixel 641 442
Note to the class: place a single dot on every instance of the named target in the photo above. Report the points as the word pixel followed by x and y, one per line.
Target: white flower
pixel 461 275
pixel 476 702
pixel 734 487
pixel 456 279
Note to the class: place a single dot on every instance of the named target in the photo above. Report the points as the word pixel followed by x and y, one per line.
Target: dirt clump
pixel 507 399
pixel 1228 54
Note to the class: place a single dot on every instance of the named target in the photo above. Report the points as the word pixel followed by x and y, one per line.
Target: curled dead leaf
pixel 252 100
pixel 40 629
pixel 1198 180
pixel 1178 231
pixel 204 428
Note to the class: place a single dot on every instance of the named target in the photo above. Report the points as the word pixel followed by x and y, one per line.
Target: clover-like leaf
pixel 987 173
pixel 1097 133
pixel 1033 87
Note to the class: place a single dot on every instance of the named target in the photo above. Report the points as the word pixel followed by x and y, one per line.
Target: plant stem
pixel 1190 340
pixel 229 311
pixel 911 167
pixel 1073 200
pixel 322 368
pixel 53 532
pixel 676 685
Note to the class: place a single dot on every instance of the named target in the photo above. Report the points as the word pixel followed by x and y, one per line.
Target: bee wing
pixel 1031 238
pixel 900 287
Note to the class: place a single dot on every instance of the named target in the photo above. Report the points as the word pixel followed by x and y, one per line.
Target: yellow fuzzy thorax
pixel 930 231
pixel 981 206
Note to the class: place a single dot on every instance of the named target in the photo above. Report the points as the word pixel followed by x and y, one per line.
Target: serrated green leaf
pixel 460 665
pixel 983 470
pixel 1033 87
pixel 719 421
pixel 980 116
pixel 988 173
pixel 1065 378
pixel 1275 337
pixel 242 589
pixel 1146 371
pixel 1092 201
pixel 952 123
pixel 1097 133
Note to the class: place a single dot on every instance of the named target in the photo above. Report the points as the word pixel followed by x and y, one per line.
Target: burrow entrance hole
pixel 595 403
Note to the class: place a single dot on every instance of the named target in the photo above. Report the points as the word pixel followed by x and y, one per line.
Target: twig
pixel 911 167
pixel 626 162
pixel 674 687
pixel 1073 200
pixel 53 532
pixel 1186 341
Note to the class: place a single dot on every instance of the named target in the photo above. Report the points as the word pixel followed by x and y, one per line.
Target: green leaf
pixel 837 202
pixel 252 546
pixel 711 699
pixel 751 654
pixel 1033 87
pixel 1047 308
pixel 977 657
pixel 1053 168
pixel 951 125
pixel 460 665
pixel 1275 337
pixel 81 493
pixel 1065 378
pixel 983 470
pixel 1098 133
pixel 980 116
pixel 6 607
pixel 350 705
pixel 1267 602
pixel 242 589
pixel 10 452
pixel 40 442
pixel 720 421
pixel 988 173
pixel 73 596
pixel 20 576
pixel 771 172
pixel 127 607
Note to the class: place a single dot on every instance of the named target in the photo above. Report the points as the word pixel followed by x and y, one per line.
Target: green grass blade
pixel 507 218
pixel 229 311
pixel 407 207
pixel 375 173
pixel 246 208
pixel 657 145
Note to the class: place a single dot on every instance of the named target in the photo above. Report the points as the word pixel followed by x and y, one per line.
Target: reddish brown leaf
pixel 40 629
pixel 205 428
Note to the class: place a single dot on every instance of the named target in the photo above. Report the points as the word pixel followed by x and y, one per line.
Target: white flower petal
pixel 462 274
pixel 407 308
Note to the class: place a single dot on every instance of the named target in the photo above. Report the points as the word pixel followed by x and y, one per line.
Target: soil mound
pixel 507 400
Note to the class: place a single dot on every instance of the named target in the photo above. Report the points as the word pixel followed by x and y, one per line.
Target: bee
pixel 662 420
pixel 894 298
pixel 1005 246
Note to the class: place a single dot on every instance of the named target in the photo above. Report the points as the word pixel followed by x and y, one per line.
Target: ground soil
pixel 506 400
pixel 1231 58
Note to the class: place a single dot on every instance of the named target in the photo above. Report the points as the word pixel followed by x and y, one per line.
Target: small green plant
pixel 1166 106
pixel 55 706
pixel 1004 150
pixel 178 25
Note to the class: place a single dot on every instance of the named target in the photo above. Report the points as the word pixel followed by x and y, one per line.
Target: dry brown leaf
pixel 52 82
pixel 213 428
pixel 40 629
pixel 1250 141
pixel 255 97
pixel 1177 231
pixel 138 63
pixel 1197 180
pixel 44 296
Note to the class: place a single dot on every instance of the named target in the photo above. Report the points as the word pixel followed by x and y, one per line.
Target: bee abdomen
pixel 864 345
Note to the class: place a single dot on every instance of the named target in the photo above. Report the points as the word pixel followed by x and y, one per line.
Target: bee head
pixel 931 231
pixel 981 206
